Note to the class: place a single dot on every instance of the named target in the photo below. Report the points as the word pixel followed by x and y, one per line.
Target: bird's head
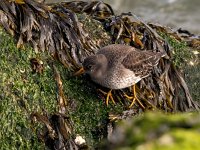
pixel 95 65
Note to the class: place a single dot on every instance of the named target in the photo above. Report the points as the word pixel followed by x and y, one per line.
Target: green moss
pixel 20 95
pixel 95 29
pixel 192 74
pixel 177 139
pixel 158 131
pixel 180 50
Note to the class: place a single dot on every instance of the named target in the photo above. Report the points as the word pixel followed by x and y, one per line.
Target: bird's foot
pixel 130 98
pixel 108 96
pixel 134 99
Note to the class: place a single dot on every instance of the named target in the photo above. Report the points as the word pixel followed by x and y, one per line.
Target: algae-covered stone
pixel 159 131
pixel 23 92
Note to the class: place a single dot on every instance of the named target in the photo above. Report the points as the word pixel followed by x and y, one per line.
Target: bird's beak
pixel 79 72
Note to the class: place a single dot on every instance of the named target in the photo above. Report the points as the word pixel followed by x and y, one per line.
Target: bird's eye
pixel 90 66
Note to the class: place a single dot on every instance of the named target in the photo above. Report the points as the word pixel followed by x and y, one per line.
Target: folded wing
pixel 141 62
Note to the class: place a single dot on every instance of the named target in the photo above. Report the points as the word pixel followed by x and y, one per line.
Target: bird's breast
pixel 118 79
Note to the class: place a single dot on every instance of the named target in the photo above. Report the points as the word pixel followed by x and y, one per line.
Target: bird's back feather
pixel 141 62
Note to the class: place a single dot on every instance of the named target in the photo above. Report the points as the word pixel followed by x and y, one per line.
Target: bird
pixel 119 66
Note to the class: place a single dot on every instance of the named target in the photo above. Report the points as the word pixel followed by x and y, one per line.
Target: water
pixel 173 13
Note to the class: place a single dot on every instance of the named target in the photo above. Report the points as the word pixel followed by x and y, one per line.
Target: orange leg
pixel 134 98
pixel 108 96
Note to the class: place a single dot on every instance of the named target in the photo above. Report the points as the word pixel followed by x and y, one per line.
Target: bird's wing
pixel 141 62
pixel 115 52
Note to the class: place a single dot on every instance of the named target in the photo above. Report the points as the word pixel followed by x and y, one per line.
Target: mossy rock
pixel 23 92
pixel 157 131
